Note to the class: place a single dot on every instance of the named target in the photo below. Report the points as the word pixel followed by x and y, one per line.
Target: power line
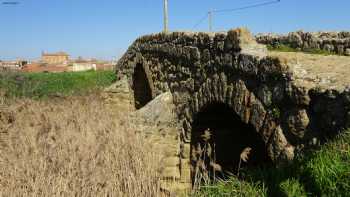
pixel 10 3
pixel 209 15
pixel 248 7
pixel 201 21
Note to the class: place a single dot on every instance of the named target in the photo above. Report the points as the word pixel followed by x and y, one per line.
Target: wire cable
pixel 236 9
pixel 247 7
pixel 200 21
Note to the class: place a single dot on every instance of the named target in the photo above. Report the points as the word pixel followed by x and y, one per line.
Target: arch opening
pixel 229 136
pixel 142 88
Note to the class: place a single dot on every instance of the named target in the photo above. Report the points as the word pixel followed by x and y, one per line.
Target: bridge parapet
pixel 334 42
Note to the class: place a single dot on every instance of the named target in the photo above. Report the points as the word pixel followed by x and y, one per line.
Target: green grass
pixel 287 48
pixel 43 85
pixel 323 172
pixel 231 187
pixel 329 169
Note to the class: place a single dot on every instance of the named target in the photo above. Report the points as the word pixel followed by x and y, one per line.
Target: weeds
pixel 325 172
pixel 75 146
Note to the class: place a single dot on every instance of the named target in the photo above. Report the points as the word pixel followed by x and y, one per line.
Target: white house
pixel 83 66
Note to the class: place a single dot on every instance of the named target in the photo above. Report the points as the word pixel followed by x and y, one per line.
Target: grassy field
pixel 323 172
pixel 41 85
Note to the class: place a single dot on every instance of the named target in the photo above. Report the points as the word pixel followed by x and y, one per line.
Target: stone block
pixel 297 122
pixel 277 144
pixel 268 128
pixel 347 52
pixel 258 114
pixel 185 175
pixel 171 161
pixel 171 173
pixel 186 151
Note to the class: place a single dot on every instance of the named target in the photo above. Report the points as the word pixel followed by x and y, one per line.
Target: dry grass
pixel 73 147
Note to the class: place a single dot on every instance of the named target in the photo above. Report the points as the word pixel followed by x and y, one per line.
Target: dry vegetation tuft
pixel 73 147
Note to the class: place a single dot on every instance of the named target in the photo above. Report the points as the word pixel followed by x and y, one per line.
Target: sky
pixel 105 28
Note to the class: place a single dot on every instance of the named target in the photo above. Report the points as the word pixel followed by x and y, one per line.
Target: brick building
pixel 55 58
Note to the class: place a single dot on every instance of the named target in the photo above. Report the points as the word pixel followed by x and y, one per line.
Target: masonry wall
pixel 231 68
pixel 335 42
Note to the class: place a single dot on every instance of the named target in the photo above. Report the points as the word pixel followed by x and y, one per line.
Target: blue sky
pixel 105 28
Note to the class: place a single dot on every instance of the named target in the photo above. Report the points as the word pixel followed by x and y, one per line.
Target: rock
pixel 241 36
pixel 277 144
pixel 120 86
pixel 258 114
pixel 242 40
pixel 340 49
pixel 297 122
pixel 287 154
pixel 265 95
pixel 347 52
pixel 295 39
pixel 160 111
pixel 119 95
pixel 328 47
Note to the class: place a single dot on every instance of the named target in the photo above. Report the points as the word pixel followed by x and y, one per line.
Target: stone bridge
pixel 245 95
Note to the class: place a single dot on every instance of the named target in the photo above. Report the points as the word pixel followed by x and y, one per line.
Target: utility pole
pixel 166 20
pixel 210 20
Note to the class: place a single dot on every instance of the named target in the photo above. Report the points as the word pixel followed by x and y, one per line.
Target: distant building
pixel 83 66
pixel 104 66
pixel 55 58
pixel 43 67
pixel 12 65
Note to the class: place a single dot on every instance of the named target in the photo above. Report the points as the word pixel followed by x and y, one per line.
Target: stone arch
pixel 229 136
pixel 242 108
pixel 142 86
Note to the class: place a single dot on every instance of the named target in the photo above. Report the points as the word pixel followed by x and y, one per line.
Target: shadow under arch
pixel 229 136
pixel 141 86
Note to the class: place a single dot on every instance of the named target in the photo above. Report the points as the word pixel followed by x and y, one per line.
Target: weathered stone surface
pixel 171 161
pixel 297 121
pixel 289 98
pixel 159 111
pixel 347 52
pixel 258 114
pixel 336 42
pixel 119 95
pixel 120 87
pixel 287 154
pixel 277 144
pixel 171 173
pixel 265 95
